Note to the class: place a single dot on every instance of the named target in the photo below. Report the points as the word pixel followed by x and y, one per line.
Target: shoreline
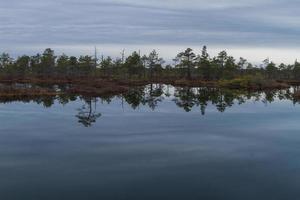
pixel 93 86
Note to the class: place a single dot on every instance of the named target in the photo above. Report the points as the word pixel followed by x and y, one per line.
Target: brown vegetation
pixel 26 92
pixel 92 86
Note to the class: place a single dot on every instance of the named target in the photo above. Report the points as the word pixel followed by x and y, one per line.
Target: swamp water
pixel 154 142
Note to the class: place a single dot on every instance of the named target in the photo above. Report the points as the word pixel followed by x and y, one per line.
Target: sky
pixel 254 29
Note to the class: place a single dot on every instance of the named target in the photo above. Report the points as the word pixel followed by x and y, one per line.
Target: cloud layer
pixel 239 23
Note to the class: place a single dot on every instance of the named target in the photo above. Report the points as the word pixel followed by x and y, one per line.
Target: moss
pixel 252 82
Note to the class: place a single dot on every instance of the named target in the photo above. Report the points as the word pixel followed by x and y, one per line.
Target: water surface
pixel 156 142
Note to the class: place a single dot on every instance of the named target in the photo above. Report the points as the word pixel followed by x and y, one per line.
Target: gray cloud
pixel 244 23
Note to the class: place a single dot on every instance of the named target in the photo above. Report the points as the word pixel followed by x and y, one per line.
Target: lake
pixel 154 142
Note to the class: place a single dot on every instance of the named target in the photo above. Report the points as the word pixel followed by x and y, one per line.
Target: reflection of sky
pixel 253 29
pixel 144 154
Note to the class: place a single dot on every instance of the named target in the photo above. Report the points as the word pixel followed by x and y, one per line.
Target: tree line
pixel 186 65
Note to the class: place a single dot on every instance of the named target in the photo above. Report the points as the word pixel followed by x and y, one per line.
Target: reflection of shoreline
pixel 152 95
pixel 96 88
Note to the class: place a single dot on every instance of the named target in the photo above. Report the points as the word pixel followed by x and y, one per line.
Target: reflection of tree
pixel 203 98
pixel 185 98
pixel 150 95
pixel 284 94
pixel 225 99
pixel 168 93
pixel 87 115
pixel 47 101
pixel 269 97
pixel 106 99
pixel 134 97
pixel 65 99
pixel 154 96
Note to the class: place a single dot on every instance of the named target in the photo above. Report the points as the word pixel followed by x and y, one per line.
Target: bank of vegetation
pixel 87 74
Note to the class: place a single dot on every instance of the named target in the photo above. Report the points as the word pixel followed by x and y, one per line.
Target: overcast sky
pixel 254 29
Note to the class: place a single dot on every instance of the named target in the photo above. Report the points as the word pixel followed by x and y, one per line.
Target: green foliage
pixel 134 64
pixel 5 60
pixel 250 82
pixel 47 62
pixel 187 65
pixel 86 64
pixel 271 70
pixel 187 60
pixel 154 63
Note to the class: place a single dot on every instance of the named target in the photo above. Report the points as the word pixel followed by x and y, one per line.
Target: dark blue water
pixel 249 151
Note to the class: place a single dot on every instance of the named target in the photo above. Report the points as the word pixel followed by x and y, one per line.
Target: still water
pixel 156 142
